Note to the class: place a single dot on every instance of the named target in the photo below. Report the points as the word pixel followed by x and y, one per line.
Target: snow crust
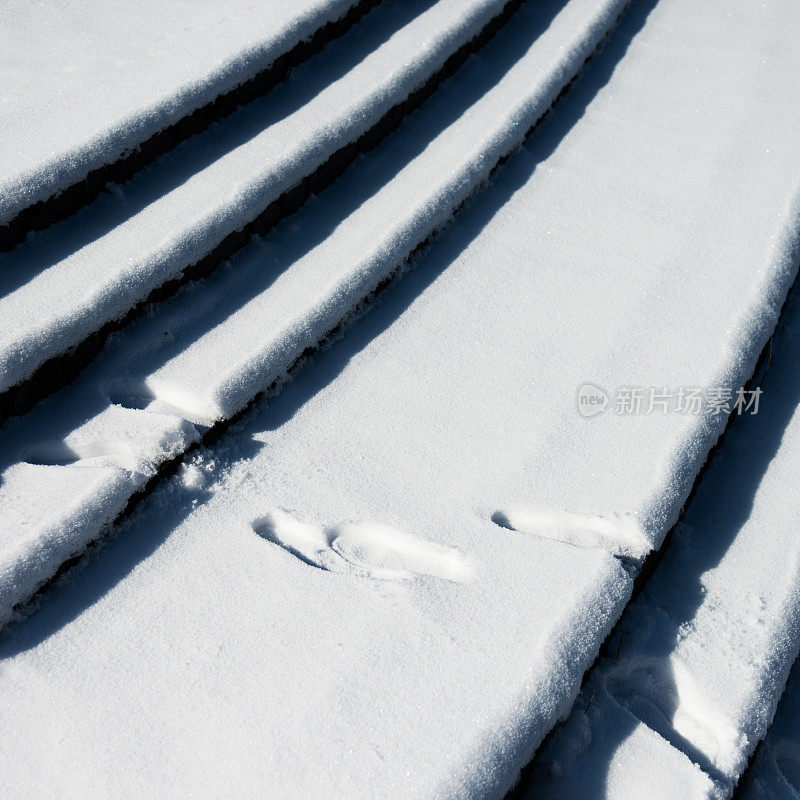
pixel 218 345
pixel 330 602
pixel 171 215
pixel 703 654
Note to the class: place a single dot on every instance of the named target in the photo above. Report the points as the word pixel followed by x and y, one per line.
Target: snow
pixel 365 548
pixel 230 345
pixel 171 215
pixel 640 765
pixel 621 535
pixel 388 578
pixel 242 667
pixel 304 302
pixel 702 656
pixel 64 492
pixel 85 82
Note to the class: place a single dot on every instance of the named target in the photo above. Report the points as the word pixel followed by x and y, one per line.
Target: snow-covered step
pixel 64 492
pixel 338 612
pixel 232 345
pixel 223 369
pixel 194 204
pixel 241 670
pixel 153 75
pixel 700 659
pixel 323 604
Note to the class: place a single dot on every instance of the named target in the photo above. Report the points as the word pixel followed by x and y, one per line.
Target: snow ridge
pixel 198 385
pixel 696 666
pixel 188 232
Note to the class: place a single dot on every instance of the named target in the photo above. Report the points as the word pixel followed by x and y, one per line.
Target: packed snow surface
pixel 236 335
pixel 171 215
pixel 701 657
pixel 388 579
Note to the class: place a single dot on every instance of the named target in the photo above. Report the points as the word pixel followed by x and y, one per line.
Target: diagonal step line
pixel 212 434
pixel 61 369
pixel 609 649
pixel 67 201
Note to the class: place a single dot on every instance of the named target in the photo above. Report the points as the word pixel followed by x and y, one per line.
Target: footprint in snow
pixel 92 453
pixel 370 549
pixel 664 696
pixel 620 534
pixel 138 396
pixel 126 453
